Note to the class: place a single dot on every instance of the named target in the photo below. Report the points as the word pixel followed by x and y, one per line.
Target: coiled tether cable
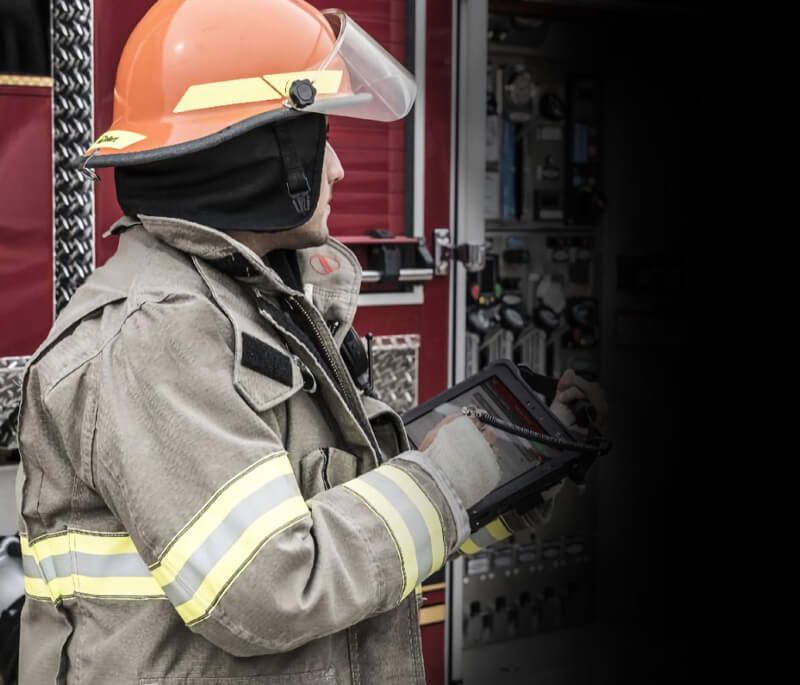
pixel 595 445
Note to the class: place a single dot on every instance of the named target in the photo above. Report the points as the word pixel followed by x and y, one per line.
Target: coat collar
pixel 331 273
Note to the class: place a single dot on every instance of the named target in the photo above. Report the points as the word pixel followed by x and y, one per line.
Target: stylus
pixel 599 446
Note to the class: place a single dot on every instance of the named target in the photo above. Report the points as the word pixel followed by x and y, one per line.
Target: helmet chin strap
pixel 297 184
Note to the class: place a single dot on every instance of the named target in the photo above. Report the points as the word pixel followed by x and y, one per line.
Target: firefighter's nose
pixel 333 166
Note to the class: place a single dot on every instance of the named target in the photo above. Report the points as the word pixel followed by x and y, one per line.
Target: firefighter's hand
pixel 488 434
pixel 572 387
pixel 464 449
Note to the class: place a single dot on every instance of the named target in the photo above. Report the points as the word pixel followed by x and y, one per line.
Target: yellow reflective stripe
pixel 397 528
pixel 26 81
pixel 116 139
pixel 78 541
pixel 61 587
pixel 49 547
pixel 102 544
pixel 221 93
pixel 67 586
pixel 432 614
pixel 253 89
pixel 429 512
pixel 73 544
pixel 36 587
pixel 239 555
pixel 325 82
pixel 469 547
pixel 498 529
pixel 492 532
pixel 196 531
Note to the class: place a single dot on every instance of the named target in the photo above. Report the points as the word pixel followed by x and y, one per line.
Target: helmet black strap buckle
pixel 297 184
pixel 301 199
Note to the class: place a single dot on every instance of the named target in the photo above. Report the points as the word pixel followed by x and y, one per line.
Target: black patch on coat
pixel 259 356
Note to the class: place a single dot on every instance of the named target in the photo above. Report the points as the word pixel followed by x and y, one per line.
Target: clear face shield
pixel 357 79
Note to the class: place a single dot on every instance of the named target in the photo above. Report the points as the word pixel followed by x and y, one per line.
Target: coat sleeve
pixel 205 488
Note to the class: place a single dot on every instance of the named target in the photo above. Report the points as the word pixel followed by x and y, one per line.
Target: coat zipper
pixel 354 403
pixel 328 357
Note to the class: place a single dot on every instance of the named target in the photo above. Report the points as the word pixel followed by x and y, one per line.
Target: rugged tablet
pixel 535 449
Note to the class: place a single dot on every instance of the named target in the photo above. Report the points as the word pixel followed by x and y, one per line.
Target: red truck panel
pixel 26 222
pixel 431 320
pixel 113 23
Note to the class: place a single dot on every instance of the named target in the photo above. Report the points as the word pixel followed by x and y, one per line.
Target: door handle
pixel 403 275
pixel 471 255
pixel 393 259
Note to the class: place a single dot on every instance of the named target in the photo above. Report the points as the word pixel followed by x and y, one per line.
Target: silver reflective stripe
pixel 111 565
pixel 411 517
pixel 78 562
pixel 30 567
pixel 214 547
pixel 82 564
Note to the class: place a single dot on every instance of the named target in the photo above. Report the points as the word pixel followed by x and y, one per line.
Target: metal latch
pixel 393 259
pixel 471 255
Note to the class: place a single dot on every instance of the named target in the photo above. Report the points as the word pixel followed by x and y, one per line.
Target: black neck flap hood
pixel 253 182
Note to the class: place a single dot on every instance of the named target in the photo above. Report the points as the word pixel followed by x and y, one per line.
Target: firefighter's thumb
pixel 466 458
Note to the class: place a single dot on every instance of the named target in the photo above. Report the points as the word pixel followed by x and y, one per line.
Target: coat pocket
pixel 388 427
pixel 325 468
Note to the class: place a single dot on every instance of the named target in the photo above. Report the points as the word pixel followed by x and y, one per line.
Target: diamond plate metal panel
pixel 73 194
pixel 11 370
pixel 395 361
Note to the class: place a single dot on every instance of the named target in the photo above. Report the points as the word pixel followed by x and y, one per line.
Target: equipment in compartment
pixel 536 303
pixel 543 152
pixel 526 586
pixel 585 199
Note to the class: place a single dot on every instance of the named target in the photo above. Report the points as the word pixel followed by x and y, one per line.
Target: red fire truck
pixel 495 221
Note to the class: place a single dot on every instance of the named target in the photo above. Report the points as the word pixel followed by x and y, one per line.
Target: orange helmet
pixel 195 73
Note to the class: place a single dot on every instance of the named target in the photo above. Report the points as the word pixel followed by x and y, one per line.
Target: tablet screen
pixel 516 454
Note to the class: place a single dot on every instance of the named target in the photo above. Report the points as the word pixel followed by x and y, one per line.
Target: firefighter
pixel 206 496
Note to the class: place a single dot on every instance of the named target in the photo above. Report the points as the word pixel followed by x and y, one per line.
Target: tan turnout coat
pixel 191 511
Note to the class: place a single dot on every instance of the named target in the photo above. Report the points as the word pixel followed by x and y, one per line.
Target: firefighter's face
pixel 315 230
pixel 310 234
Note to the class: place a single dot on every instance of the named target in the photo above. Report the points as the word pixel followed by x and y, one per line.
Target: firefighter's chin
pixel 314 232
